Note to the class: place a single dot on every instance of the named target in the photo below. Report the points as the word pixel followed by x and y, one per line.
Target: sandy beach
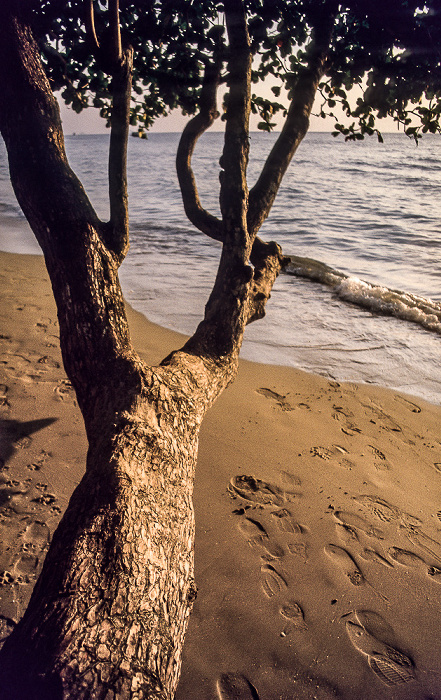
pixel 318 511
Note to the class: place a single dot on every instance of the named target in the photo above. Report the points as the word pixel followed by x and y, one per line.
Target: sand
pixel 318 510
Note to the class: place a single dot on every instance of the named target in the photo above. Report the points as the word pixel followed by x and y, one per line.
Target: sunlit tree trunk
pixel 109 612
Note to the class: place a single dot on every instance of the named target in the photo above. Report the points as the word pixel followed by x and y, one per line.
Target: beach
pixel 318 515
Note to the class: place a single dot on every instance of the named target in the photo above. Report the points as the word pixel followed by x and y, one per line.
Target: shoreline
pixel 17 237
pixel 317 513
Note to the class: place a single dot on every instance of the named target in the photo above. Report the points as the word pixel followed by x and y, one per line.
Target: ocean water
pixel 361 299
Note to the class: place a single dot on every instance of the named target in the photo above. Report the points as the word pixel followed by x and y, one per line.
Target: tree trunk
pixel 108 615
pixel 109 612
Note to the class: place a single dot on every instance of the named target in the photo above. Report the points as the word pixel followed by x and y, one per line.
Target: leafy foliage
pixel 389 51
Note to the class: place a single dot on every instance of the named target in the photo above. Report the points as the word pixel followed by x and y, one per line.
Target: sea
pixel 361 222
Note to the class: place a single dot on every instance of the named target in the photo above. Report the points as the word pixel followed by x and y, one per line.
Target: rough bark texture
pixel 108 615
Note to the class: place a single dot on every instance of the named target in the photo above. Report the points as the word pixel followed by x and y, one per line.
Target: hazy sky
pixel 89 122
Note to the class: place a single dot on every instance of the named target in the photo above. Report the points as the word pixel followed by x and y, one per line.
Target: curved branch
pixel 218 338
pixel 203 220
pixel 264 192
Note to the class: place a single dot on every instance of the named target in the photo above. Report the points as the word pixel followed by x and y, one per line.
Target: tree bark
pixel 109 612
pixel 108 615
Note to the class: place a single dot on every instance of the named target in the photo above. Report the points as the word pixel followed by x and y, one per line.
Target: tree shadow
pixel 16 434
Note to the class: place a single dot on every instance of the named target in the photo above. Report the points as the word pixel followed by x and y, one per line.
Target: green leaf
pixel 263 126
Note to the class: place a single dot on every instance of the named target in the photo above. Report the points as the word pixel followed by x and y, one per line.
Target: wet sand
pixel 318 510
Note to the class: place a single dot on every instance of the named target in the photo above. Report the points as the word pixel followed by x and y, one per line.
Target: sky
pixel 89 122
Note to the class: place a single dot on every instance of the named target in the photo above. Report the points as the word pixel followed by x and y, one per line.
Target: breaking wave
pixel 375 298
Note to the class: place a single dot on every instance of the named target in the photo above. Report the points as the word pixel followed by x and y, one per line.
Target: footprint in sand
pixel 386 421
pixel 322 452
pixel 333 452
pixel 290 480
pixel 378 453
pixel 64 390
pixel 388 663
pixel 379 507
pixel 299 549
pixel 408 404
pixel 419 538
pixel 343 415
pixel 258 538
pixel 3 395
pixel 293 613
pixel 406 558
pixel 387 512
pixel 236 686
pixel 252 528
pixel 272 582
pixel 357 522
pixel 39 462
pixel 346 563
pixel 351 430
pixel 381 462
pixel 36 537
pixel 340 412
pixel 48 362
pixel 348 535
pixel 257 491
pixel 412 560
pixel 23 443
pixel 435 573
pixel 280 399
pixel 286 522
pixel 374 556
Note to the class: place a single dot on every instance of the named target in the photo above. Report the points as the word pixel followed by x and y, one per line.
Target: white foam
pixel 376 298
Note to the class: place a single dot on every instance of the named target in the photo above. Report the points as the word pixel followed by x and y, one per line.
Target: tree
pixel 108 614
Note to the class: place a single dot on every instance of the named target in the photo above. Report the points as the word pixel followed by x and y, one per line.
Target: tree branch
pixel 115 32
pixel 264 192
pixel 268 261
pixel 117 231
pixel 203 220
pixel 234 161
pixel 83 271
pixel 90 27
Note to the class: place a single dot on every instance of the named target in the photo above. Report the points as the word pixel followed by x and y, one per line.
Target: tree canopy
pixel 390 51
